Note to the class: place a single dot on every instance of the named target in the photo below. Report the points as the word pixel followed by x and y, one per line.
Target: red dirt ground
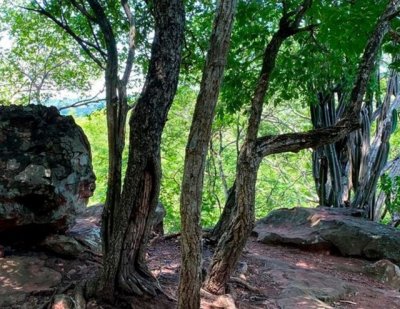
pixel 163 258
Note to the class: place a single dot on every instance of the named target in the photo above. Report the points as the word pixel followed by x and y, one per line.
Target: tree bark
pixel 124 269
pixel 196 152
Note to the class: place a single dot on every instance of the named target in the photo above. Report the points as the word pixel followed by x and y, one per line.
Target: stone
pixel 63 245
pixel 62 301
pixel 46 172
pixel 87 228
pixel 386 272
pixel 21 275
pixel 157 219
pixel 342 230
pixel 302 302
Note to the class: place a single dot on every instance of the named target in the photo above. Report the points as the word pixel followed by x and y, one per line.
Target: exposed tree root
pixel 140 284
pixel 245 284
pixel 210 300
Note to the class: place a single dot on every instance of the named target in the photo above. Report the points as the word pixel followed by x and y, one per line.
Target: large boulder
pixel 46 171
pixel 342 230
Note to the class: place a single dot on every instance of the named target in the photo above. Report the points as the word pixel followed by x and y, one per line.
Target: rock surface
pixel 87 228
pixel 22 275
pixel 337 229
pixel 46 172
pixel 63 245
pixel 386 272
pixel 62 301
pixel 303 287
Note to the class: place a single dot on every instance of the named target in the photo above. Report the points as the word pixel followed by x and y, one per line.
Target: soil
pixel 253 286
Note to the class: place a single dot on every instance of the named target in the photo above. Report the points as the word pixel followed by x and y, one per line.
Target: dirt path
pixel 267 277
pixel 266 269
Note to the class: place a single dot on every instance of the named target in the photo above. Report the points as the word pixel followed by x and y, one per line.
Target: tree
pixel 125 269
pixel 346 173
pixel 255 148
pixel 196 152
pixel 96 27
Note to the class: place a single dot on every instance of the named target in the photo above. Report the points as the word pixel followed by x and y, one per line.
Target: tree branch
pixel 294 142
pixel 132 36
pixel 369 57
pixel 83 102
pixel 83 43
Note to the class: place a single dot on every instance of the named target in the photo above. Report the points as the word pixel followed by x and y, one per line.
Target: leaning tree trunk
pixel 196 152
pixel 124 269
pixel 226 216
pixel 233 239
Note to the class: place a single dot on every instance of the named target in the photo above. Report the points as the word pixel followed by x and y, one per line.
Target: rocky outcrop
pixel 341 230
pixel 46 172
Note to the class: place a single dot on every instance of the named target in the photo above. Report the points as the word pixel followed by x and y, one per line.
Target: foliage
pixel 41 60
pixel 94 126
pixel 324 57
pixel 284 180
pixel 392 189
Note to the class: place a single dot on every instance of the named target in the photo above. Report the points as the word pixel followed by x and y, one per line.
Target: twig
pixel 347 302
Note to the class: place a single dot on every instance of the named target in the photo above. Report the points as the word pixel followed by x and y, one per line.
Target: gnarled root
pixel 133 282
pixel 217 301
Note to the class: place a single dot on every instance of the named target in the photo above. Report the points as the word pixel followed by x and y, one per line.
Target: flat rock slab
pixel 340 229
pixel 302 287
pixel 20 275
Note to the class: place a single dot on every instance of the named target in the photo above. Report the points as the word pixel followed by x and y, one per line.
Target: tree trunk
pixel 226 216
pixel 124 269
pixel 196 152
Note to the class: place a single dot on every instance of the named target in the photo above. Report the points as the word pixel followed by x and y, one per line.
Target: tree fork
pixel 125 271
